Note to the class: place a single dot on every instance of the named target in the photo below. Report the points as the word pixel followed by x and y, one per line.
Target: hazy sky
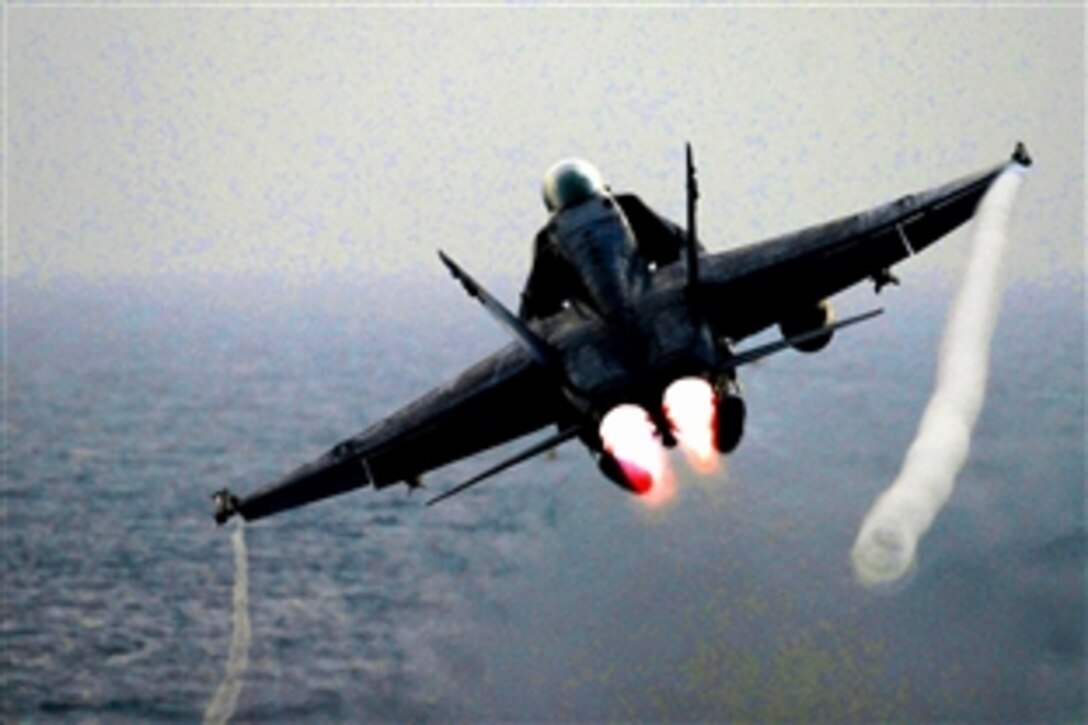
pixel 300 142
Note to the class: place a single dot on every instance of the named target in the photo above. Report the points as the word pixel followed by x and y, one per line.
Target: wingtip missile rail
pixel 226 505
pixel 1021 156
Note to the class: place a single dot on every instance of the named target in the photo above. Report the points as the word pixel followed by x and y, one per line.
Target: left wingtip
pixel 226 505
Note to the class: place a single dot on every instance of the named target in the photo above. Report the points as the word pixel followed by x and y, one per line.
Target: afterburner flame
pixel 629 436
pixel 691 408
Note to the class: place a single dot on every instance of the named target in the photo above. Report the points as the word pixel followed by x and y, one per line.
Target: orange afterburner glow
pixel 629 436
pixel 692 411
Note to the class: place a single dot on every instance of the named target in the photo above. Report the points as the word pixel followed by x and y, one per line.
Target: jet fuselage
pixel 626 333
pixel 632 336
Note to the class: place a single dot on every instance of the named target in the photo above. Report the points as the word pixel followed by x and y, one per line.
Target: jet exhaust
pixel 692 410
pixel 222 705
pixel 630 437
pixel 888 538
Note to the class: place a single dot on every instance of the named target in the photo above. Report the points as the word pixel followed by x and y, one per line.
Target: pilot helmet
pixel 571 182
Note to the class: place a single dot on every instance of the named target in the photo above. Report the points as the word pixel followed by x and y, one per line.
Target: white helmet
pixel 571 182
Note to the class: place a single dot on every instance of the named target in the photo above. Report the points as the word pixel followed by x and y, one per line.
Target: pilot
pixel 552 280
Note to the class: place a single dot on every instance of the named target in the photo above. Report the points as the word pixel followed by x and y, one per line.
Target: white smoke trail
pixel 222 705
pixel 888 538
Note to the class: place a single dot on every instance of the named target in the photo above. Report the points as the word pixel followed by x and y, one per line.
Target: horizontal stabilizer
pixel 535 450
pixel 758 353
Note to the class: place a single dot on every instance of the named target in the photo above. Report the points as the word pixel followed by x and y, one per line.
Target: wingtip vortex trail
pixel 887 541
pixel 223 704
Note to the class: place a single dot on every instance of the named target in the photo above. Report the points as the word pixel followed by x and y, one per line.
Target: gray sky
pixel 297 143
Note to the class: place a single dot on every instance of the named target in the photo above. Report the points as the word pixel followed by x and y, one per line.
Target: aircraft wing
pixel 502 397
pixel 747 289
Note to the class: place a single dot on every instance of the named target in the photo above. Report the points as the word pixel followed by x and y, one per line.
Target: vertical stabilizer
pixel 691 245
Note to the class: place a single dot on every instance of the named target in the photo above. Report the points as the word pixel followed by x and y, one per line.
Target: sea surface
pixel 547 593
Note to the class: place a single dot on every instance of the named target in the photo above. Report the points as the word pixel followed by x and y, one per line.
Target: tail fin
pixel 541 352
pixel 692 240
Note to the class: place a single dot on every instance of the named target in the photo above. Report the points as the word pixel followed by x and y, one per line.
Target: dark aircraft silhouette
pixel 619 307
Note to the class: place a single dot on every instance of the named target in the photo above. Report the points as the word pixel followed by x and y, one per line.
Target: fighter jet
pixel 628 338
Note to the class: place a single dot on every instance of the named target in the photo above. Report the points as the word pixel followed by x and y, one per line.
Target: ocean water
pixel 548 593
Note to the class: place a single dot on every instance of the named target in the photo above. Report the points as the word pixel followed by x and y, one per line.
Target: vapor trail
pixel 221 707
pixel 888 538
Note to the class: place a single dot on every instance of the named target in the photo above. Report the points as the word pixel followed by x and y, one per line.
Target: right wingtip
pixel 1021 156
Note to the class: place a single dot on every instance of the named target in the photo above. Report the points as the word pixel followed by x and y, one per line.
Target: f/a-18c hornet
pixel 625 339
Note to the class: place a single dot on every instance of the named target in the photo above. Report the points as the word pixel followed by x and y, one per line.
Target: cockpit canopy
pixel 571 182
